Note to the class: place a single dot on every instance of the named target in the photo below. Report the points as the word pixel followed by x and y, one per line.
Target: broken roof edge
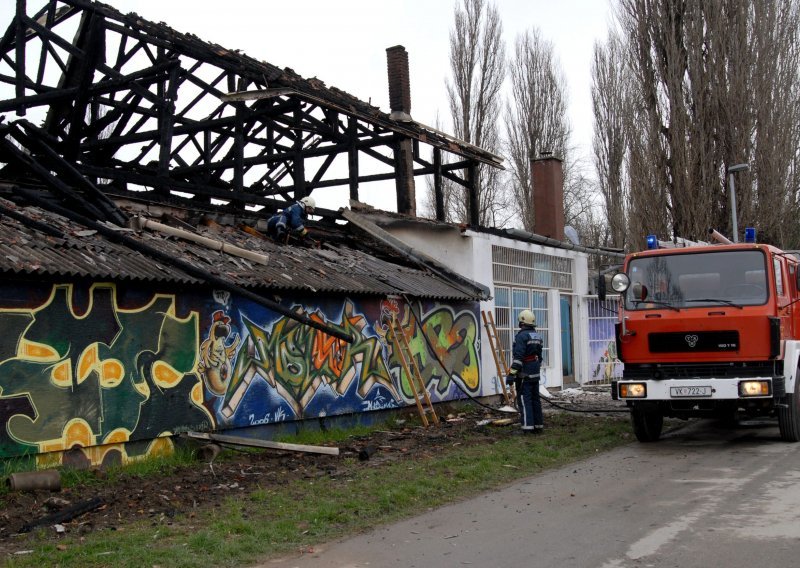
pixel 474 289
pixel 465 150
pixel 309 88
pixel 392 219
pixel 520 235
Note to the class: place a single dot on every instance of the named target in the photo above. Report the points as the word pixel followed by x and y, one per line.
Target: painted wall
pixel 106 373
pixel 470 254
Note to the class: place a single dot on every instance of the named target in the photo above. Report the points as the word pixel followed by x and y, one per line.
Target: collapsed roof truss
pixel 137 105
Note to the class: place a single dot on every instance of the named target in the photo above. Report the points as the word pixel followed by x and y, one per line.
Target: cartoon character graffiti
pixel 216 354
pixel 607 365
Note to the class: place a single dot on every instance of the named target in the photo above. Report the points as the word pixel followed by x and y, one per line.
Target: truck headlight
pixel 633 390
pixel 754 388
pixel 620 282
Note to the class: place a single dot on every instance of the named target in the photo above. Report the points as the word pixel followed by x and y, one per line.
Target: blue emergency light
pixel 652 242
pixel 750 234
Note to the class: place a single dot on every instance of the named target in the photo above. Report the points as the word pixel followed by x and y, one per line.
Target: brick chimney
pixel 548 196
pixel 400 104
pixel 399 83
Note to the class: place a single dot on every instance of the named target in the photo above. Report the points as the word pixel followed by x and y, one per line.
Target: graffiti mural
pixel 284 370
pixel 298 361
pixel 604 364
pixel 216 354
pixel 106 376
pixel 444 335
pixel 102 373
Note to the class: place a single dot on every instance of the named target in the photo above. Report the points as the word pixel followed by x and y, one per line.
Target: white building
pixel 526 271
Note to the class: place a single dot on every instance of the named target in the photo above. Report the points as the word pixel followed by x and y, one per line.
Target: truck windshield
pixel 733 278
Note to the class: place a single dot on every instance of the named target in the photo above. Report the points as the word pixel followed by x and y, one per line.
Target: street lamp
pixel 731 171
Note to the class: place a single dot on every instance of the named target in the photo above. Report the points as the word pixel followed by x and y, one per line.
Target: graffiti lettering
pixel 297 360
pixel 453 337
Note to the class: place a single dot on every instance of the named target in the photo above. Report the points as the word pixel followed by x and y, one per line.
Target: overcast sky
pixel 343 42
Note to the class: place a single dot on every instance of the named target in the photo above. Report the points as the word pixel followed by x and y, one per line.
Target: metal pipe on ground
pixel 48 479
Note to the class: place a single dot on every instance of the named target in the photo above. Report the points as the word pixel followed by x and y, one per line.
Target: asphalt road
pixel 701 497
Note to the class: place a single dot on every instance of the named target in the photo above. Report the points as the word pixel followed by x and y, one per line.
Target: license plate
pixel 678 392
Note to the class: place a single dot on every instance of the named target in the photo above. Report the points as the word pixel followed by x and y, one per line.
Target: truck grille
pixel 711 370
pixel 693 341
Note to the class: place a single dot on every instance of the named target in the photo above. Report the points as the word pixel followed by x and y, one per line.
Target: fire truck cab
pixel 709 331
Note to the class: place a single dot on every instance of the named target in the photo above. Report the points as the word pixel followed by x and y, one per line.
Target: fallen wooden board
pixel 252 442
pixel 503 421
pixel 66 514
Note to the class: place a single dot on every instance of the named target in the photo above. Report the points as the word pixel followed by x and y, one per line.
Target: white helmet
pixel 308 202
pixel 527 317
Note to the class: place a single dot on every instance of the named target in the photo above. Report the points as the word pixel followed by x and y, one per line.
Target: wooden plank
pixel 251 442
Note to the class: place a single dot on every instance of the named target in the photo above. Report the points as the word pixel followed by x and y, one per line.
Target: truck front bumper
pixel 729 388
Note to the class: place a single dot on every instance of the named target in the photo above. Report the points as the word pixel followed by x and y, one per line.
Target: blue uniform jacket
pixel 293 219
pixel 527 354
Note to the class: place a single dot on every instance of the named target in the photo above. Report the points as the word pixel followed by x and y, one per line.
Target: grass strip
pixel 302 513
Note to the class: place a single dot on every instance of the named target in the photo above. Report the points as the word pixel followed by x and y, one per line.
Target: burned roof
pixel 39 243
pixel 139 106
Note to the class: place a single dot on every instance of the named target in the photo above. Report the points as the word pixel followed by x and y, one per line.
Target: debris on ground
pixel 181 494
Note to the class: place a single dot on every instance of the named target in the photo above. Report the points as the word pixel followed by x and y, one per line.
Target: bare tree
pixel 535 117
pixel 775 92
pixel 610 104
pixel 477 63
pixel 714 84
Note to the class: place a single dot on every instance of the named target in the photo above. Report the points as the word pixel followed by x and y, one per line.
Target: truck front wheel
pixel 647 423
pixel 789 416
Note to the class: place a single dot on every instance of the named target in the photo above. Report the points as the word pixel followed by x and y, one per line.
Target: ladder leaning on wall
pixel 409 364
pixel 498 354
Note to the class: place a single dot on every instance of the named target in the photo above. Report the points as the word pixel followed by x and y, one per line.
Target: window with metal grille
pixel 521 280
pixel 508 303
pixel 530 269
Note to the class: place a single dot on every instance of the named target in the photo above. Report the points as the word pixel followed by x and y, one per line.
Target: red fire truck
pixel 708 331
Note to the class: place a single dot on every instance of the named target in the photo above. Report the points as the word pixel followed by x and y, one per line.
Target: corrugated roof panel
pixel 333 268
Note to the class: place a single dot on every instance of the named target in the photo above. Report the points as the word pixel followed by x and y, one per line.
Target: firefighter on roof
pixel 291 221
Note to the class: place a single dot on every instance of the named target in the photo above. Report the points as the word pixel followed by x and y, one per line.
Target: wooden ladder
pixel 497 353
pixel 411 369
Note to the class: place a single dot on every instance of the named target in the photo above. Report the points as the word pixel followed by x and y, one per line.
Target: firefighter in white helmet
pixel 292 220
pixel 525 372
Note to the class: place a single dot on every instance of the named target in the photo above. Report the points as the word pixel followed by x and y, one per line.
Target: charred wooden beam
pixel 92 41
pixel 20 55
pixel 472 188
pixel 30 163
pixel 437 184
pixel 110 211
pixel 352 158
pixel 298 169
pixel 167 124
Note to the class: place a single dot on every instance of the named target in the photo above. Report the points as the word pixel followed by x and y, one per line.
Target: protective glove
pixel 511 377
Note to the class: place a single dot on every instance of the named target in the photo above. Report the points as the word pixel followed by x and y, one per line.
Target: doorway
pixel 567 361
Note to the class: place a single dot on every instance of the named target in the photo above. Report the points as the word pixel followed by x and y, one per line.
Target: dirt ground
pixel 178 496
